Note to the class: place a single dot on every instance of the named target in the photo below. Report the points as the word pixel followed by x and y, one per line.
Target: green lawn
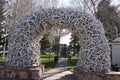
pixel 72 63
pixel 49 63
pixel 2 60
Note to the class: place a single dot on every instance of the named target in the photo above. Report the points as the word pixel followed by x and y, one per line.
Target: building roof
pixel 117 40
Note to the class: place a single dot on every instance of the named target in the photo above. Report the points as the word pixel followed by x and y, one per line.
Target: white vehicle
pixel 2 52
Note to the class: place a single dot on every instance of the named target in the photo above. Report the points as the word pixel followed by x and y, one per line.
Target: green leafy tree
pixel 74 44
pixel 44 42
pixel 108 15
pixel 55 46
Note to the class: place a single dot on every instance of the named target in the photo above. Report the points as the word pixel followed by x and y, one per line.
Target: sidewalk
pixel 60 72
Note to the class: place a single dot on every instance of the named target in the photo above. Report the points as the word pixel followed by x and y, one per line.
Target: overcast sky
pixel 65 39
pixel 116 2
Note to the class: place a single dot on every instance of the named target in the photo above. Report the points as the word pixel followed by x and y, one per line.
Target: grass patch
pixel 72 63
pixel 2 60
pixel 48 62
pixel 47 55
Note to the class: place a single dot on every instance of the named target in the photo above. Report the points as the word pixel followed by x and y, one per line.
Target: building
pixel 115 51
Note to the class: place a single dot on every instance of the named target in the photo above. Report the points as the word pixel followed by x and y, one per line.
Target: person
pixel 56 59
pixel 64 51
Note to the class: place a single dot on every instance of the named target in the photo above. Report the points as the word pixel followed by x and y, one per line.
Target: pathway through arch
pixel 60 72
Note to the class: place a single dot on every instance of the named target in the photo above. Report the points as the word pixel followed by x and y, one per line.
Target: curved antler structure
pixel 24 48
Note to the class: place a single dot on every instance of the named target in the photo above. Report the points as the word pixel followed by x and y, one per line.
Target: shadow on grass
pixel 49 65
pixel 72 63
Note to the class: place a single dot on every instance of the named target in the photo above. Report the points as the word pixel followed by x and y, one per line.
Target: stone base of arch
pixel 80 75
pixel 21 74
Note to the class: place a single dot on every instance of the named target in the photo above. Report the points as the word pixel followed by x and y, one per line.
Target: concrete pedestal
pixel 80 75
pixel 21 74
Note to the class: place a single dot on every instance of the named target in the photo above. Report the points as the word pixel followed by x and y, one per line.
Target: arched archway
pixel 28 31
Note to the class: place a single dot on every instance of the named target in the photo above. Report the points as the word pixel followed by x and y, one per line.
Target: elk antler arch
pixel 24 48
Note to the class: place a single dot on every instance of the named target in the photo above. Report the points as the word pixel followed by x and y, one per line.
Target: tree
pixel 54 37
pixel 55 46
pixel 48 4
pixel 89 6
pixel 13 10
pixel 16 9
pixel 2 29
pixel 44 42
pixel 74 44
pixel 108 15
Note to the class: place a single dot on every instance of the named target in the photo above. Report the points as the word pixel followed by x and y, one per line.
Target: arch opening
pixel 24 41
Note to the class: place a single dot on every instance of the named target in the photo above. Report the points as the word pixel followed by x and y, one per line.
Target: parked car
pixel 3 52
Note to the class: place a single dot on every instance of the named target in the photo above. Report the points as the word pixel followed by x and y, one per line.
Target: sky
pixel 65 39
pixel 116 2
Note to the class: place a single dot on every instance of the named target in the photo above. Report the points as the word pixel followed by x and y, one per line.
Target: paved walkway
pixel 60 72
